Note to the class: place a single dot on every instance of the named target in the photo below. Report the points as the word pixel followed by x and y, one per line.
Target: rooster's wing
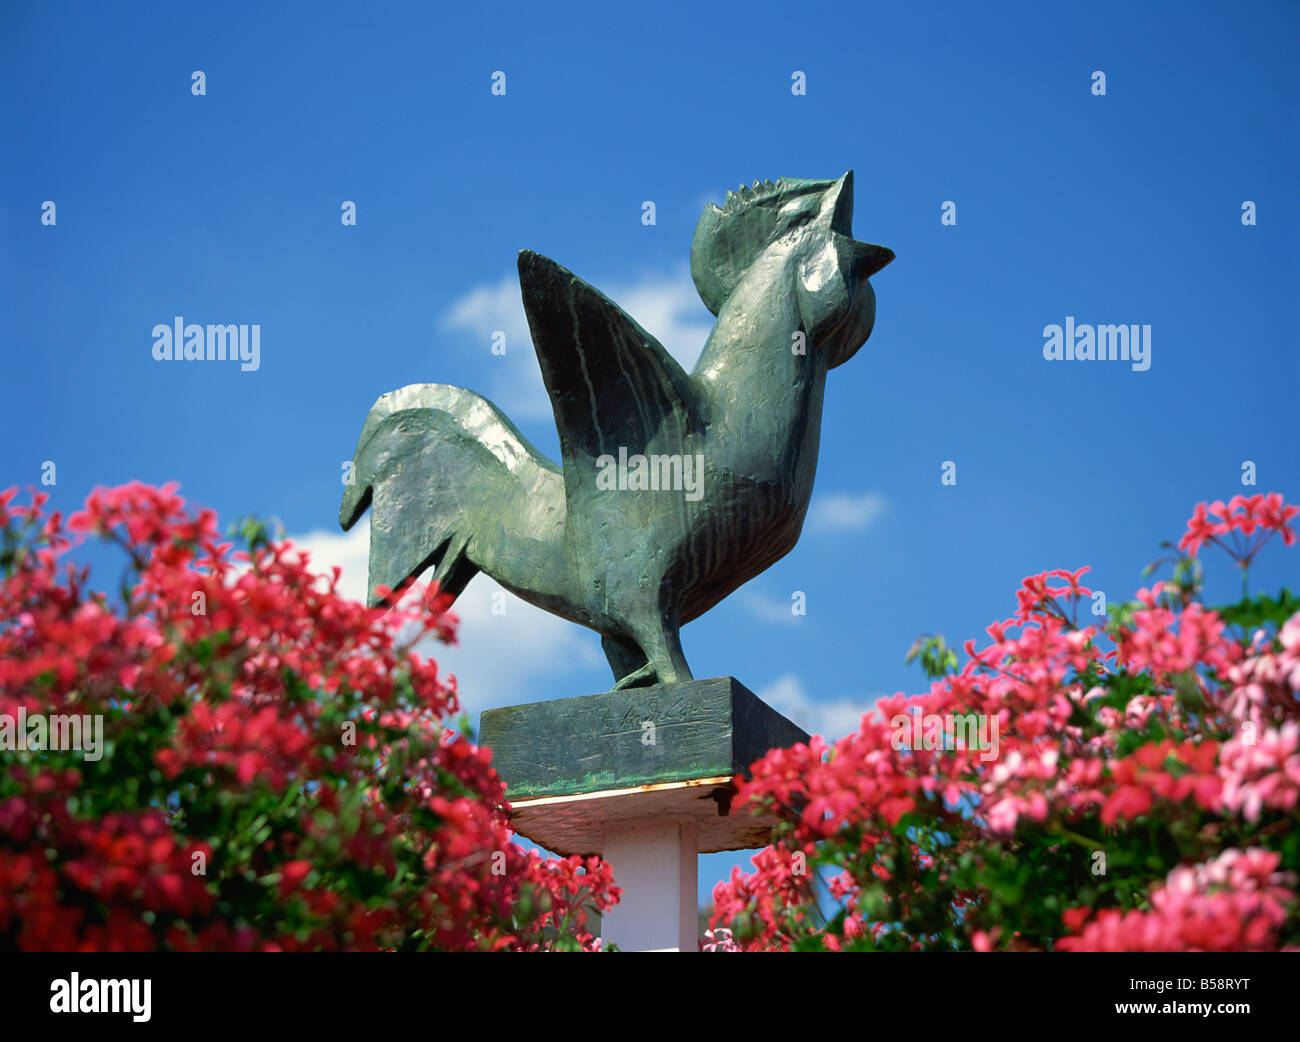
pixel 612 385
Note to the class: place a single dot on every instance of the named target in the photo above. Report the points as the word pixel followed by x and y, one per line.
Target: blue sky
pixel 225 208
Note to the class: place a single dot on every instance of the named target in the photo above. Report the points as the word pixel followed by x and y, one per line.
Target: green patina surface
pixel 637 736
pixel 672 488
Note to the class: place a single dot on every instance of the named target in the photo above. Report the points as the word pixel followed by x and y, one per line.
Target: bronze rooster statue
pixel 722 461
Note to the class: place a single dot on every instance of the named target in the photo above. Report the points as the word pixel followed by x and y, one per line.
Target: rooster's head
pixel 810 222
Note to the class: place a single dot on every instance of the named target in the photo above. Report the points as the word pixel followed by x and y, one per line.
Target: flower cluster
pixel 718 940
pixel 1249 521
pixel 277 770
pixel 1237 902
pixel 1083 764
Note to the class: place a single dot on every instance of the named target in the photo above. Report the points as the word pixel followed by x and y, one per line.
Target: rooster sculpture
pixel 452 485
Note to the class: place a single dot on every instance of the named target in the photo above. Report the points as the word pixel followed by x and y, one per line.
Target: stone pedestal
pixel 643 777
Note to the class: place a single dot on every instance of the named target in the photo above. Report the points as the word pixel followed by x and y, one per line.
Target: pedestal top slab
pixel 655 754
pixel 639 736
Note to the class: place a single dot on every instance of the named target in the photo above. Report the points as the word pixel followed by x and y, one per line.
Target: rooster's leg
pixel 626 660
pixel 664 660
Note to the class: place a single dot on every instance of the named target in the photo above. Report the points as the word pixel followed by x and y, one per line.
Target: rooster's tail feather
pixel 434 464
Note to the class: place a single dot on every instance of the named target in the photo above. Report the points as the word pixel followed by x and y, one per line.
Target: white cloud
pixel 831 720
pixel 669 307
pixel 349 550
pixel 488 308
pixel 515 379
pixel 769 609
pixel 846 511
pixel 502 659
pixel 666 305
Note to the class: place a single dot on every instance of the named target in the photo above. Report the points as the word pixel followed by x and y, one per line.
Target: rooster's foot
pixel 646 676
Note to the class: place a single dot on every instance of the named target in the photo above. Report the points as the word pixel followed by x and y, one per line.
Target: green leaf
pixel 1251 613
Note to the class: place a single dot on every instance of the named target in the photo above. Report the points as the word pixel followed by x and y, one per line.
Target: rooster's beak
pixel 871 258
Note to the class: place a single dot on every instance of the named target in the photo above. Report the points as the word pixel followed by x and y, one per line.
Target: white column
pixel 657 867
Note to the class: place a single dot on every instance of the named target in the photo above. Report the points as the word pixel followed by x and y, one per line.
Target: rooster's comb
pixel 742 197
pixel 729 238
